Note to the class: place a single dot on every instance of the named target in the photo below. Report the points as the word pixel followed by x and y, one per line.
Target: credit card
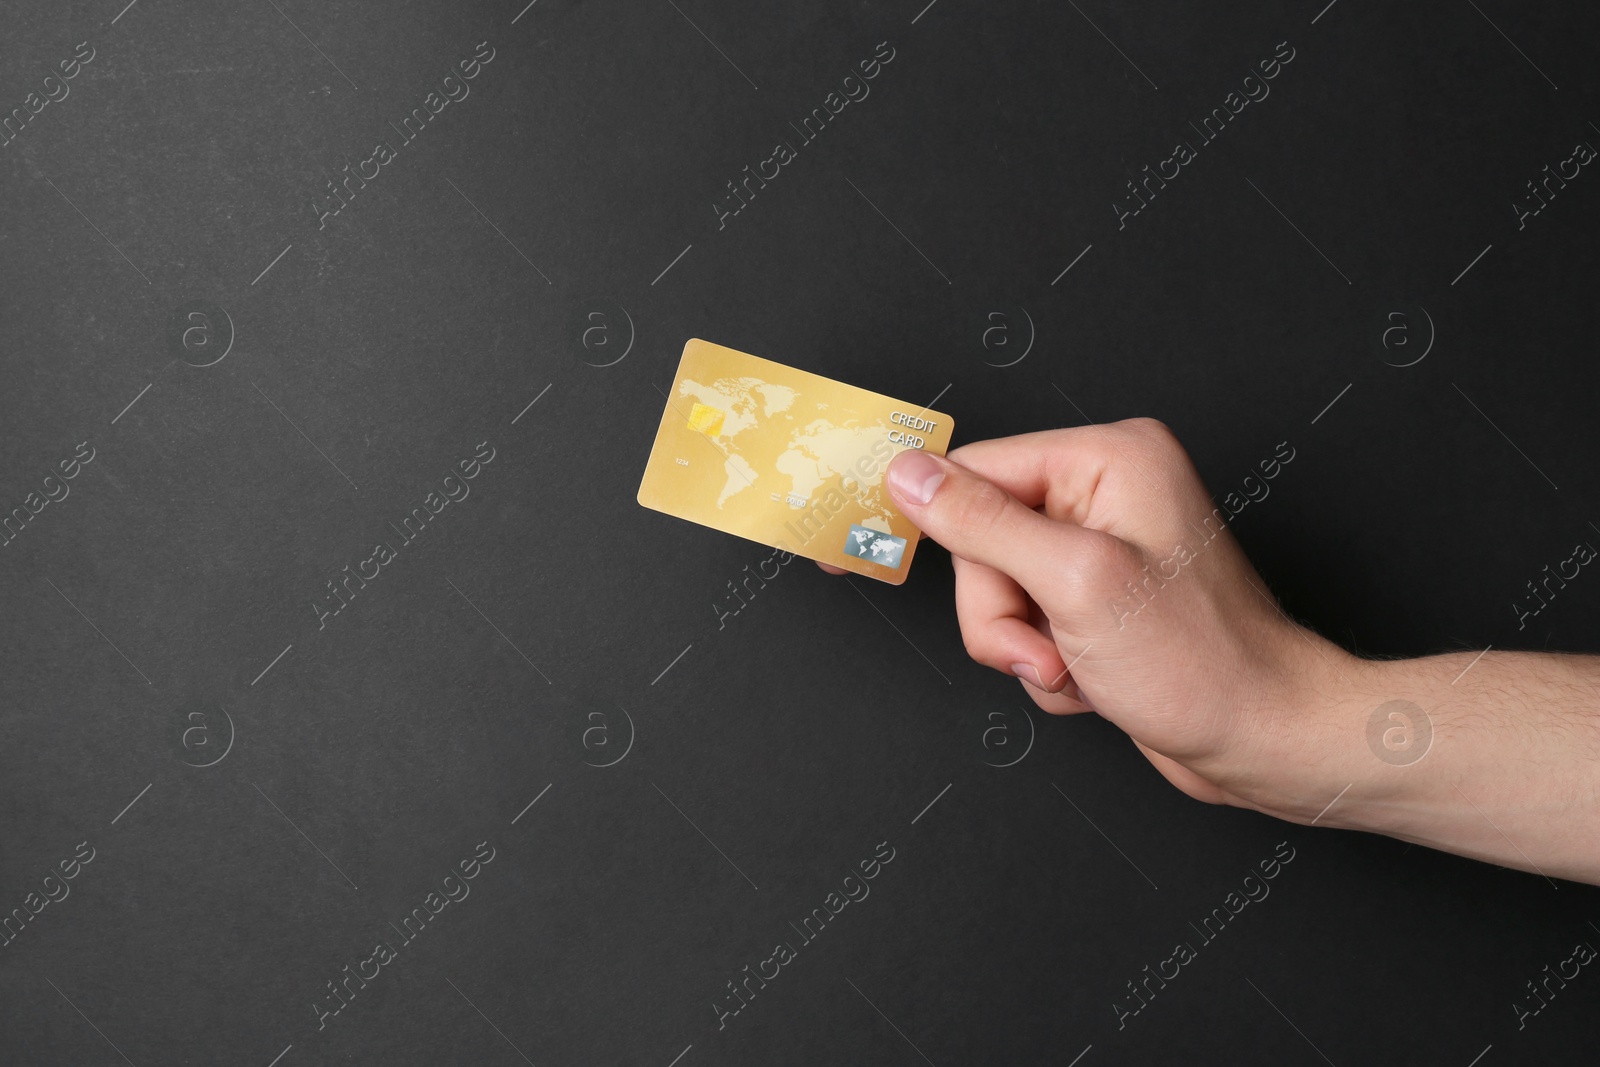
pixel 788 458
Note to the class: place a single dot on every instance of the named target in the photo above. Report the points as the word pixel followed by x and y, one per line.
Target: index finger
pixel 1122 478
pixel 1056 469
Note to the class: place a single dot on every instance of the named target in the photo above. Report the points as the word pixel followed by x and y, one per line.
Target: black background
pixel 823 718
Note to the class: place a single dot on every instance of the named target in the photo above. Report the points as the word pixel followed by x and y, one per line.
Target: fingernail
pixel 1028 673
pixel 915 474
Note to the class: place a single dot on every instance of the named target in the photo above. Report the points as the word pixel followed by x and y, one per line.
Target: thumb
pixel 979 521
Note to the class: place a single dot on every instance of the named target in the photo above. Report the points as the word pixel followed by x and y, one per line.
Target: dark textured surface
pixel 545 619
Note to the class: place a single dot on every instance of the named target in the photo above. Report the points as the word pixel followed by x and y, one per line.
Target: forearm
pixel 1510 773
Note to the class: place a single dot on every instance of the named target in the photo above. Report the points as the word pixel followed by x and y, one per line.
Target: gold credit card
pixel 788 458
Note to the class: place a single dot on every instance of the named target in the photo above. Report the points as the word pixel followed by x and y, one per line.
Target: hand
pixel 1092 564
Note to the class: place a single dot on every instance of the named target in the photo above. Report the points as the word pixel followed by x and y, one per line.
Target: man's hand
pixel 1092 564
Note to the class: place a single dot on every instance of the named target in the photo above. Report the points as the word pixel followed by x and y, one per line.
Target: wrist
pixel 1306 745
pixel 1432 751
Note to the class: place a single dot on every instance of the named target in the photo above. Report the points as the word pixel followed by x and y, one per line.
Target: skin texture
pixel 1085 567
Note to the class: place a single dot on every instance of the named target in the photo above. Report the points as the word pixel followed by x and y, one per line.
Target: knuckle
pixel 1153 432
pixel 1098 567
pixel 1154 442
